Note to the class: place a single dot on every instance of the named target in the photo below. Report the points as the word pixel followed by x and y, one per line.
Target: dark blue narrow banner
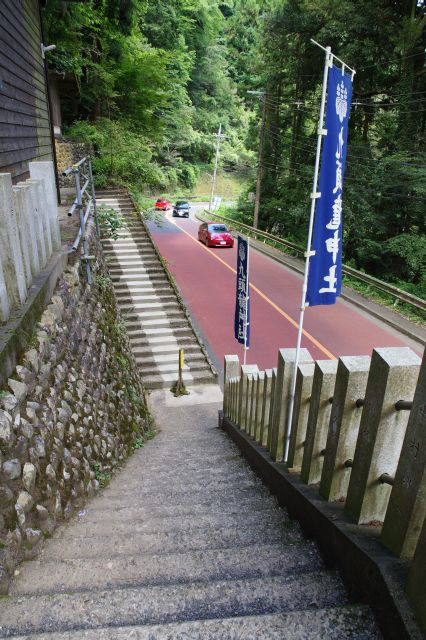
pixel 325 270
pixel 243 292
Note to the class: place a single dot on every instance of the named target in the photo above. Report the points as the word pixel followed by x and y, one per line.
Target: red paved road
pixel 206 278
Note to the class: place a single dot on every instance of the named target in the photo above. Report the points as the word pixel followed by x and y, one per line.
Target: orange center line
pixel 307 335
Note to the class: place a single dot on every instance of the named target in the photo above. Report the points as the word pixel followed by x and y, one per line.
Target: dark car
pixel 214 234
pixel 181 209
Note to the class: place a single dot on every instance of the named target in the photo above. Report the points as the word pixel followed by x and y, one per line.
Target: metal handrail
pixel 83 170
pixel 395 292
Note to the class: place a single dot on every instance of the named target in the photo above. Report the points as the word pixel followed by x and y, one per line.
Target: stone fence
pixel 358 433
pixel 29 233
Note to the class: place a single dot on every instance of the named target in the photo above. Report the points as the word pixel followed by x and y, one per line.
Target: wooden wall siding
pixel 24 111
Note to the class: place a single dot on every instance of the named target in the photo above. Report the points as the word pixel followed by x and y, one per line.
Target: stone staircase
pixel 185 543
pixel 156 324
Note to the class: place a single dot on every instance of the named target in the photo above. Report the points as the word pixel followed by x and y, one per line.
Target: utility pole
pixel 260 160
pixel 218 138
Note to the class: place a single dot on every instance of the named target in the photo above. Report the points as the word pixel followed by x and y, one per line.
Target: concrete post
pixel 251 422
pixel 44 214
pixel 30 222
pixel 10 248
pixel 23 231
pixel 318 420
pixel 36 215
pixel 351 383
pixel 266 407
pixel 231 367
pixel 259 405
pixel 393 376
pixel 45 171
pixel 416 583
pixel 407 503
pixel 236 401
pixel 271 412
pixel 286 358
pixel 4 298
pixel 246 370
pixel 299 423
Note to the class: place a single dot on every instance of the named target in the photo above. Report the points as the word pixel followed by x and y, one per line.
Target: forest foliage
pixel 153 79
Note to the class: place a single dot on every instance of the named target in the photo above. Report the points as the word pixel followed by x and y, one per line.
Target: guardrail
pixel 399 295
pixel 83 176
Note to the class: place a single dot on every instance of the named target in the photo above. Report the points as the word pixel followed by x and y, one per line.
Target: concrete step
pixel 151 368
pixel 162 380
pixel 86 574
pixel 169 542
pixel 170 604
pixel 146 350
pixel 150 332
pixel 162 361
pixel 339 623
pixel 93 524
pixel 172 323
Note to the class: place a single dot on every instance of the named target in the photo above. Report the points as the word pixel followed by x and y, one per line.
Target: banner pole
pixel 247 300
pixel 314 196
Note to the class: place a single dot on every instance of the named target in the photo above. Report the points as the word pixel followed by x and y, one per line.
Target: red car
pixel 163 204
pixel 215 234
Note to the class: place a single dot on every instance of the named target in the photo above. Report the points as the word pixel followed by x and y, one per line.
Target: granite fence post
pixel 286 359
pixel 41 205
pixel 351 383
pixel 231 369
pixel 23 230
pixel 4 297
pixel 32 226
pixel 393 377
pixel 36 215
pixel 407 503
pixel 45 171
pixel 266 407
pixel 299 423
pixel 318 420
pixel 416 583
pixel 259 405
pixel 271 412
pixel 252 405
pixel 246 370
pixel 10 247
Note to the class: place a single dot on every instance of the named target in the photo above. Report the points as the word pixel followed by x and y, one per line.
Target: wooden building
pixel 25 125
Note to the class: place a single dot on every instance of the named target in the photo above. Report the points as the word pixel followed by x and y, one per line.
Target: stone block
pixel 393 376
pixel 299 423
pixel 406 510
pixel 351 383
pixel 318 420
pixel 285 368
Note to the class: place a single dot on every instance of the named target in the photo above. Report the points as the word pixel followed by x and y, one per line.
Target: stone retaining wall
pixel 67 153
pixel 73 411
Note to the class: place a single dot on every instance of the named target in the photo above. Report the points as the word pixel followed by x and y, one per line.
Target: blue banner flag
pixel 242 302
pixel 325 270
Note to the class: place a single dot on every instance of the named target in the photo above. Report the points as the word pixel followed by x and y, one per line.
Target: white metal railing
pixel 29 233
